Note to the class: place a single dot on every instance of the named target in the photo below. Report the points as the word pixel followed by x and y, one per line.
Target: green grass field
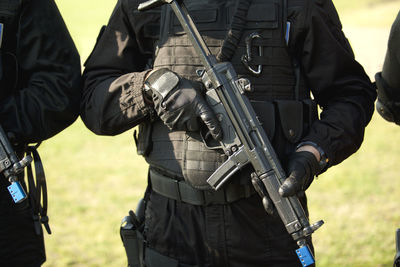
pixel 93 181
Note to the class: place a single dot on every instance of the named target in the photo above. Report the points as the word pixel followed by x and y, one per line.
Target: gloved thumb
pixel 290 186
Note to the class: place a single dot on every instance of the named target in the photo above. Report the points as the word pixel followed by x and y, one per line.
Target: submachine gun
pixel 244 139
pixel 11 166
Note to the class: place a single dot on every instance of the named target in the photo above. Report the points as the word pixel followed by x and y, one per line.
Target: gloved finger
pixel 210 120
pixel 290 186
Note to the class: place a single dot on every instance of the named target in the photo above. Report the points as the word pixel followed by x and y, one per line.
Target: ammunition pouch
pixel 143 138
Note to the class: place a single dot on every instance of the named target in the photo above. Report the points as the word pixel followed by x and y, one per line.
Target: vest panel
pixel 273 95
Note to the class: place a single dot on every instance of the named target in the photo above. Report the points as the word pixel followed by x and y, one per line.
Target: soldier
pixel 142 72
pixel 40 94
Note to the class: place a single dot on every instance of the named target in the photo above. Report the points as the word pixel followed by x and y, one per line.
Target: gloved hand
pixel 179 103
pixel 302 168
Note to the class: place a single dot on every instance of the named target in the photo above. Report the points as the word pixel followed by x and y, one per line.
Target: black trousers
pixel 240 234
pixel 20 246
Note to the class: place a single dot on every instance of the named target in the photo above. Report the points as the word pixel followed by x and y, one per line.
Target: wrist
pixel 310 149
pixel 318 152
pixel 146 90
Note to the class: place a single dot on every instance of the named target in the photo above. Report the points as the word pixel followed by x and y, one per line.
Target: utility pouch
pixel 142 138
pixel 132 238
pixel 296 117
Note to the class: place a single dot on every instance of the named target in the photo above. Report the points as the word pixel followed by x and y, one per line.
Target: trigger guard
pixel 207 136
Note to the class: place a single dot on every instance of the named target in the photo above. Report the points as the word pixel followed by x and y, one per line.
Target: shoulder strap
pixel 234 34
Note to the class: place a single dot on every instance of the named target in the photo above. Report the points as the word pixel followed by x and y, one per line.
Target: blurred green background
pixel 94 181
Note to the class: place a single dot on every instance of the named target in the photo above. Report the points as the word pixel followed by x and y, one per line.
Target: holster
pixel 132 238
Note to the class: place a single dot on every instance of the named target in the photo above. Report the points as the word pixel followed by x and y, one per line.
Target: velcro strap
pixel 182 191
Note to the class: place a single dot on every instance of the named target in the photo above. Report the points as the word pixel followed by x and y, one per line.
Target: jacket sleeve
pixel 338 82
pixel 46 99
pixel 115 71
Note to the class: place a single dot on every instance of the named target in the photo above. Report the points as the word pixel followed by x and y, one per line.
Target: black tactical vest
pixel 284 112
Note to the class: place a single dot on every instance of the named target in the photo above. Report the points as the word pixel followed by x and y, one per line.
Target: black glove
pixel 179 103
pixel 302 168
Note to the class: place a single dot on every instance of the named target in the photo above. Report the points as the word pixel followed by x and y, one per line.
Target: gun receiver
pixel 11 166
pixel 244 139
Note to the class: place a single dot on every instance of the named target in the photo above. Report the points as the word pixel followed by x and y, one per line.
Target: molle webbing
pixel 178 152
pixel 182 154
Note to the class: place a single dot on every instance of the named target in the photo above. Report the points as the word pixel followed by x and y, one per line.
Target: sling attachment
pixel 247 58
pixel 37 191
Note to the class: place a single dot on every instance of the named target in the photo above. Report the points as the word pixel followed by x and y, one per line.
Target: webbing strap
pixel 37 191
pixel 234 34
pixel 182 191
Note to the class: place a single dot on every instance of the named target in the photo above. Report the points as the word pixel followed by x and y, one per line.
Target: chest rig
pixel 9 10
pixel 259 54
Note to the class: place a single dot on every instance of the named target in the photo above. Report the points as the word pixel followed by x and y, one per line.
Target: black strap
pixel 234 34
pixel 37 191
pixel 182 191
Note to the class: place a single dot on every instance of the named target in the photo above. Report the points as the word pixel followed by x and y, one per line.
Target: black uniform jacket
pixel 41 85
pixel 113 77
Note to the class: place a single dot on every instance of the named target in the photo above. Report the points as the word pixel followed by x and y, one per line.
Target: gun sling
pixel 182 191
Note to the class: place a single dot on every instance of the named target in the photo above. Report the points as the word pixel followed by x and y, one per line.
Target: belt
pixel 182 191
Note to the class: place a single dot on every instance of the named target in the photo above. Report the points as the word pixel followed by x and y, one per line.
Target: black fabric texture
pixel 241 234
pixel 20 245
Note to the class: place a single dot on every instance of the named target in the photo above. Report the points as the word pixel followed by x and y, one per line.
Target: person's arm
pixel 114 73
pixel 388 81
pixel 47 98
pixel 339 84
